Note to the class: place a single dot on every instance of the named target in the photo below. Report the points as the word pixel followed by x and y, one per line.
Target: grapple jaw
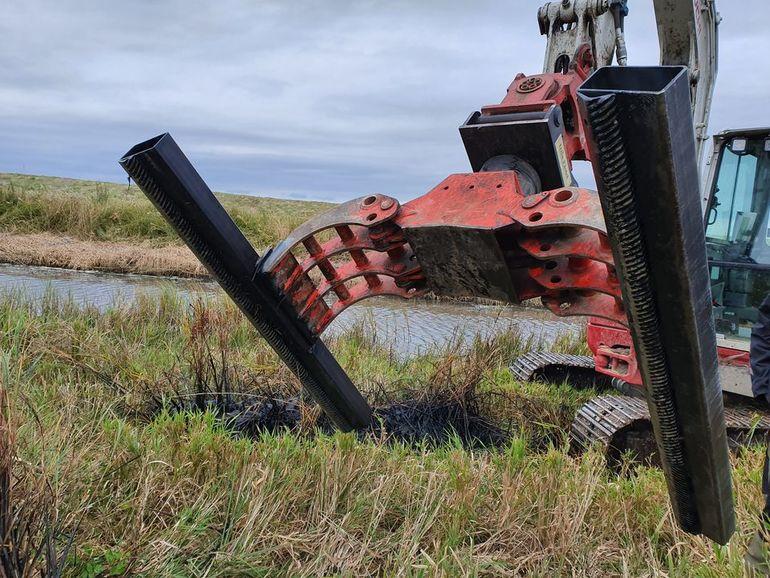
pixel 642 142
pixel 473 235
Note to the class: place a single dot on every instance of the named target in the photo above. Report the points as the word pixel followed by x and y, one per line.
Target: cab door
pixel 738 236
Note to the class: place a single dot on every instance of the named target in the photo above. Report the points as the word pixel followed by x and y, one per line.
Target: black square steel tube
pixel 642 145
pixel 166 176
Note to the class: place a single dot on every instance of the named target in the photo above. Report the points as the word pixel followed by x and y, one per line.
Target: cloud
pixel 304 99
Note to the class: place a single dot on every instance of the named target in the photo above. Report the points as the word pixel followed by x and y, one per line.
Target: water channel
pixel 408 327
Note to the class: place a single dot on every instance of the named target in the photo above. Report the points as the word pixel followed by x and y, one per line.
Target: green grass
pixel 175 494
pixel 113 212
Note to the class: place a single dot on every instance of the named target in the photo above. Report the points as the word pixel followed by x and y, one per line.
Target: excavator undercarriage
pixel 618 419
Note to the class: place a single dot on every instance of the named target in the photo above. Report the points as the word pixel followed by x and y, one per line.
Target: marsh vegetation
pixel 138 439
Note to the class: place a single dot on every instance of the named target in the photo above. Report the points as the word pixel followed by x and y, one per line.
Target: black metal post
pixel 642 144
pixel 166 176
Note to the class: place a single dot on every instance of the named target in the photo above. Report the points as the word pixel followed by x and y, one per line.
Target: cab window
pixel 738 236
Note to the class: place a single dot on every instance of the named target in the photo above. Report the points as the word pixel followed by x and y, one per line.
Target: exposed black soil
pixel 429 419
pixel 436 421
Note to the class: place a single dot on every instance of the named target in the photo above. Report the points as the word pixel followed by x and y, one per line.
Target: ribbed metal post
pixel 165 175
pixel 641 141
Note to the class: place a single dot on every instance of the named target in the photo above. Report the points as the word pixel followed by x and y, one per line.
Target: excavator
pixel 669 292
pixel 736 192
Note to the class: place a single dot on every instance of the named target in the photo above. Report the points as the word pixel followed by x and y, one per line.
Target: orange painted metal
pixel 541 92
pixel 553 246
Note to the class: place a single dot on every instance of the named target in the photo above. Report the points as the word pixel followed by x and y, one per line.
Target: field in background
pixel 111 212
pixel 110 227
pixel 119 433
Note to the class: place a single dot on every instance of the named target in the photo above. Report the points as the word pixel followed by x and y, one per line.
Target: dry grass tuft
pixel 31 543
pixel 69 253
pixel 206 380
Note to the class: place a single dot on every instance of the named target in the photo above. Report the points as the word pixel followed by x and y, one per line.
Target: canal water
pixel 407 327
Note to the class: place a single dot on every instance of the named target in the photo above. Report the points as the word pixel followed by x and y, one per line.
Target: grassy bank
pixel 116 471
pixel 112 227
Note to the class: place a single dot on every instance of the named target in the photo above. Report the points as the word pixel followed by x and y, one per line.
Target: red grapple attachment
pixel 496 234
pixel 473 235
pixel 366 256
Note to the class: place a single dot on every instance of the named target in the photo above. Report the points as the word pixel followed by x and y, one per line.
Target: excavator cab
pixel 737 215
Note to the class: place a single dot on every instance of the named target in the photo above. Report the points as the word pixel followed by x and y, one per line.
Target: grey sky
pixel 304 99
